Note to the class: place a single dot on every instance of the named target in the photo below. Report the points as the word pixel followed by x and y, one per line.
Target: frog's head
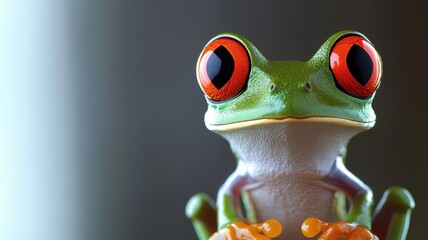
pixel 243 88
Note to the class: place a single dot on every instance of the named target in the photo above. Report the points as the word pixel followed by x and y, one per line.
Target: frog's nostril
pixel 272 87
pixel 308 86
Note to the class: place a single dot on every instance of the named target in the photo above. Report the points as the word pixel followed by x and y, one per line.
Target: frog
pixel 288 124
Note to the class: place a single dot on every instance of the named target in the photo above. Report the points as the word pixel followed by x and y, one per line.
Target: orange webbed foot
pixel 243 230
pixel 334 231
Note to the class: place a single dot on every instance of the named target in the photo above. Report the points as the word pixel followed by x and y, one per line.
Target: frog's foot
pixel 334 231
pixel 243 230
pixel 201 211
pixel 392 215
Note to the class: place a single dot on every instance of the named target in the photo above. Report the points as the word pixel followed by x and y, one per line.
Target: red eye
pixel 223 69
pixel 356 66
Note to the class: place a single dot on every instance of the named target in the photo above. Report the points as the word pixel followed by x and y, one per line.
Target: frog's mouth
pixel 267 121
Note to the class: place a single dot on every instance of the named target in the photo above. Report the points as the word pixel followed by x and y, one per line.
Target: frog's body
pixel 288 124
pixel 288 180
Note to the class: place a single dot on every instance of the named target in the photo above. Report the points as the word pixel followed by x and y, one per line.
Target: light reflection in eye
pixel 334 60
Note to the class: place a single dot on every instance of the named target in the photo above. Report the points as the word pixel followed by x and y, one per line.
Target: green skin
pixel 279 90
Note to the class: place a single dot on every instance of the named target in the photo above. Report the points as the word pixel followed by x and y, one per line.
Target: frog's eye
pixel 356 66
pixel 223 69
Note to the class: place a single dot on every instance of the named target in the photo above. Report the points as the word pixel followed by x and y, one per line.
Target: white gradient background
pixel 101 118
pixel 38 174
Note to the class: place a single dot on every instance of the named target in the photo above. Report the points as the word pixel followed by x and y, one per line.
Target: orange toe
pixel 243 230
pixel 336 230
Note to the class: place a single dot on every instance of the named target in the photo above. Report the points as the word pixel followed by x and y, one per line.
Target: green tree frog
pixel 288 124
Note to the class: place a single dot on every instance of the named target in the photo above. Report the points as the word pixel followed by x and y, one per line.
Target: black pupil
pixel 220 66
pixel 359 64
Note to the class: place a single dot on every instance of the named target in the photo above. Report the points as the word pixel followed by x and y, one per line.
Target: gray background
pixel 123 144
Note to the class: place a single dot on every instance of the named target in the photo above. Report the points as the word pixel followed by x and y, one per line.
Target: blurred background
pixel 101 117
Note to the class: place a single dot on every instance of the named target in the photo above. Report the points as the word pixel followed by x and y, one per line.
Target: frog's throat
pixel 265 121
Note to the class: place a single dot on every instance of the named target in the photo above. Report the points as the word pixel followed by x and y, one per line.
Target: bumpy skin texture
pixel 288 129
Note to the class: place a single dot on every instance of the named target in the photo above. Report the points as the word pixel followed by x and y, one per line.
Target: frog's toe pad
pixel 243 230
pixel 334 231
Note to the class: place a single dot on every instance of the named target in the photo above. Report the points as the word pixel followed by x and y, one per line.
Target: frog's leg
pixel 231 222
pixel 201 211
pixel 360 195
pixel 229 195
pixel 359 218
pixel 392 215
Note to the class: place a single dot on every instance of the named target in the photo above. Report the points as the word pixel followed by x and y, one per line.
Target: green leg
pixel 392 215
pixel 201 211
